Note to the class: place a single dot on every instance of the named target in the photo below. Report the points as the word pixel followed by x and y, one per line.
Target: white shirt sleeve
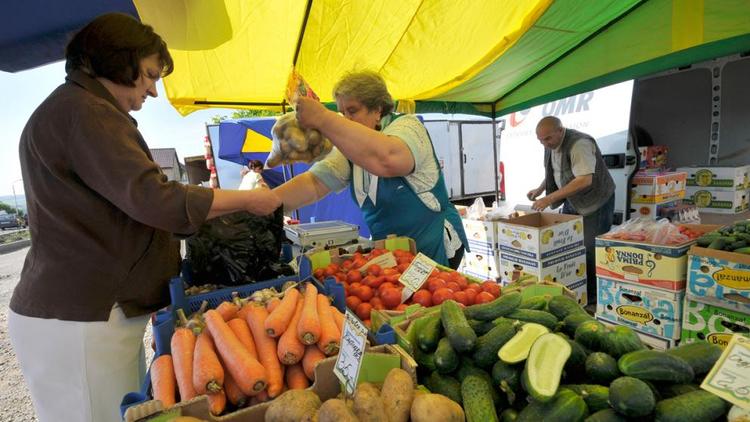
pixel 583 158
pixel 333 171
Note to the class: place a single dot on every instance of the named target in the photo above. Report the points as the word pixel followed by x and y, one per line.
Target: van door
pixel 477 158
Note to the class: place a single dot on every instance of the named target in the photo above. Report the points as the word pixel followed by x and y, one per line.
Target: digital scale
pixel 321 235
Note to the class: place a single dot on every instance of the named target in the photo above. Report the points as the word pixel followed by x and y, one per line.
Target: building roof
pixel 166 158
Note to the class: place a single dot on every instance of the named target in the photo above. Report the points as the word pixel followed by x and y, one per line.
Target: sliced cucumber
pixel 517 348
pixel 544 366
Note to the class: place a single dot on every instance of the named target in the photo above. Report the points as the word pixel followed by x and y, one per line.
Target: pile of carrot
pixel 246 352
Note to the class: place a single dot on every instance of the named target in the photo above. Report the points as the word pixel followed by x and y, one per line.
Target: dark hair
pixel 255 164
pixel 112 47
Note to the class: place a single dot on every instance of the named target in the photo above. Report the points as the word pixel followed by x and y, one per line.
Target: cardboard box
pixel 716 325
pixel 654 188
pixel 485 265
pixel 652 210
pixel 482 235
pixel 647 309
pixel 313 260
pixel 719 278
pixel 564 269
pixel 718 178
pixel 541 235
pixel 580 290
pixel 653 157
pixel 724 202
pixel 650 340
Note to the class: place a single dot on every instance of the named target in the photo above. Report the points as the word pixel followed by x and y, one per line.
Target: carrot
pixel 242 331
pixel 259 398
pixel 278 319
pixel 228 310
pixel 208 374
pixel 290 350
pixel 163 380
pixel 266 346
pixel 339 318
pixel 232 391
pixel 217 402
pixel 330 337
pixel 308 327
pixel 183 346
pixel 296 378
pixel 249 374
pixel 313 355
pixel 272 304
pixel 242 313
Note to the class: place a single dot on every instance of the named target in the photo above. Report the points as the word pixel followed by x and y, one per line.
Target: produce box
pixel 482 265
pixel 646 309
pixel 564 269
pixel 653 157
pixel 718 178
pixel 482 235
pixel 377 362
pixel 541 235
pixel 652 210
pixel 719 278
pixel 650 340
pixel 531 286
pixel 716 325
pixel 722 202
pixel 654 188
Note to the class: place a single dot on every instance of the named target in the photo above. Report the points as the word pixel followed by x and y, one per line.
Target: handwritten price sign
pixel 414 277
pixel 352 351
pixel 730 376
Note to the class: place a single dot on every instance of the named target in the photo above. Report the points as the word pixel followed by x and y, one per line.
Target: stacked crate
pixel 483 261
pixel 718 189
pixel 654 191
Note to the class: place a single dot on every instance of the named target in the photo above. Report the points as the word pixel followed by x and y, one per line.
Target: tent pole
pixel 494 155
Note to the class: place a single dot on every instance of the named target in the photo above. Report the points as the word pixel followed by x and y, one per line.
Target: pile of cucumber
pixel 545 359
pixel 734 238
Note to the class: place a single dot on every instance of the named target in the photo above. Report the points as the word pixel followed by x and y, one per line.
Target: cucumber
pixel 696 406
pixel 562 306
pixel 445 385
pixel 487 346
pixel 621 340
pixel 477 400
pixel 509 415
pixel 601 368
pixel 508 378
pixel 700 355
pixel 425 361
pixel 652 365
pixel 606 415
pixel 718 243
pixel 429 335
pixel 564 406
pixel 539 317
pixel 497 308
pixel 481 327
pixel 595 396
pixel 446 359
pixel 572 321
pixel 590 335
pixel 538 303
pixel 745 250
pixel 673 390
pixel 517 348
pixel 467 367
pixel 457 329
pixel 575 367
pixel 706 240
pixel 544 366
pixel 631 397
pixel 737 245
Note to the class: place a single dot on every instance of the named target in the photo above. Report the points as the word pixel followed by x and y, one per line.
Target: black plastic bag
pixel 238 248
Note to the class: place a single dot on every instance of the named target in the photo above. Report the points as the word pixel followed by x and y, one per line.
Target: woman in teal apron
pixel 389 164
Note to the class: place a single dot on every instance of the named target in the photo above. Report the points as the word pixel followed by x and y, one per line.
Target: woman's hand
pixel 262 201
pixel 310 113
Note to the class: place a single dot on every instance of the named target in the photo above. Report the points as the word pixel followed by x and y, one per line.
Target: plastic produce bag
pixel 292 143
pixel 477 210
pixel 238 248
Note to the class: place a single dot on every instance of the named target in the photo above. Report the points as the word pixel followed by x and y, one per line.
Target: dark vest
pixel 588 200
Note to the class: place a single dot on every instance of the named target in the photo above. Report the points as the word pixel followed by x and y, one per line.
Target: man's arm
pixel 576 185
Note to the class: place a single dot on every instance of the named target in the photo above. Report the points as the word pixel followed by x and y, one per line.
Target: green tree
pixel 10 210
pixel 244 114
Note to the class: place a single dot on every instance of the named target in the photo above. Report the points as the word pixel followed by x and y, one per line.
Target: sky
pixel 161 125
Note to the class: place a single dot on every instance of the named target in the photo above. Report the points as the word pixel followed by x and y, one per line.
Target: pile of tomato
pixel 379 288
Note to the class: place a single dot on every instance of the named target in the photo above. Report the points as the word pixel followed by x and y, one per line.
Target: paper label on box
pixel 414 277
pixel 730 376
pixel 349 360
pixel 386 260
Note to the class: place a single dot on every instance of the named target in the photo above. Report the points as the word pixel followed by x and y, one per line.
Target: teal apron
pixel 399 211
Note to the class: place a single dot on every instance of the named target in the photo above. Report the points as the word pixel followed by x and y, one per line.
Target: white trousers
pixel 79 371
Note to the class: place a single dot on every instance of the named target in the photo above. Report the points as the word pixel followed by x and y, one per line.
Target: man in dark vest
pixel 577 178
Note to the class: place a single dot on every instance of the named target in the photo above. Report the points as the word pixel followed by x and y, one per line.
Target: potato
pixel 398 393
pixel 368 405
pixel 435 407
pixel 313 137
pixel 292 406
pixel 335 410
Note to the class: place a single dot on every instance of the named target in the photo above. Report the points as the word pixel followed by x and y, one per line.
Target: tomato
pixel 491 287
pixel 319 273
pixel 340 277
pixel 352 302
pixel 391 298
pixel 358 262
pixel 434 273
pixel 374 269
pixel 377 303
pixel 377 281
pixel 389 271
pixel 402 267
pixel 347 264
pixel 354 289
pixel 365 293
pixel 471 296
pixel 461 280
pixel 445 276
pixel 363 310
pixel 461 297
pixel 441 295
pixel 484 297
pixel 434 283
pixel 422 297
pixel 353 276
pixel 385 286
pixel 330 270
pixel 404 261
pixel 367 323
pixel 401 307
pixel 474 286
pixel 393 278
pixel 453 286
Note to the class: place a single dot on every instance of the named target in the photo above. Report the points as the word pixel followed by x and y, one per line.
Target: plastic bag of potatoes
pixel 292 144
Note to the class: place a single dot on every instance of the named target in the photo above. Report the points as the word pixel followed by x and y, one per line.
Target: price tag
pixel 415 276
pixel 730 376
pixel 352 351
pixel 386 260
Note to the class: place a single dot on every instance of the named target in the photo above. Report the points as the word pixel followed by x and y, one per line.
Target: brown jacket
pixel 101 213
